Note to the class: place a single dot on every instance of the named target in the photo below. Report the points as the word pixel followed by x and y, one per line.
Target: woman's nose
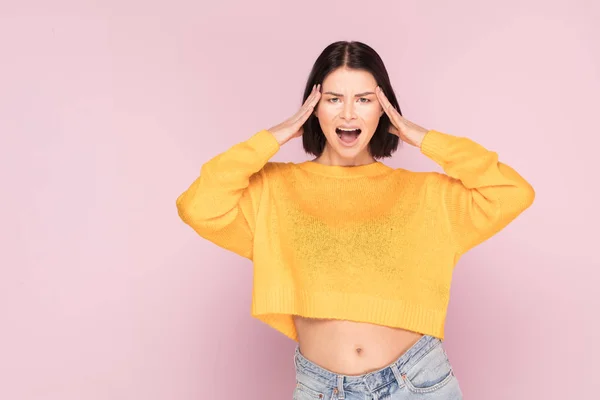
pixel 348 111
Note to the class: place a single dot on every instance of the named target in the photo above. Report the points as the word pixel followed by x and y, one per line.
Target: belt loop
pixel 296 357
pixel 397 374
pixel 340 387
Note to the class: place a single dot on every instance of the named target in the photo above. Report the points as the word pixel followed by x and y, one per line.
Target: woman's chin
pixel 350 151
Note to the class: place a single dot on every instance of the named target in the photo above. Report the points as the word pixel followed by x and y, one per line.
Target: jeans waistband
pixel 371 380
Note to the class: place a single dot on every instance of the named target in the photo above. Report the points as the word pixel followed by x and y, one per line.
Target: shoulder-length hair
pixel 354 55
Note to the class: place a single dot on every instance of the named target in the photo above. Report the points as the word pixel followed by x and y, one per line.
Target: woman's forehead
pixel 347 80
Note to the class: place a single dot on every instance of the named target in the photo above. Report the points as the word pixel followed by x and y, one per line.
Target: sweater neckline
pixel 374 168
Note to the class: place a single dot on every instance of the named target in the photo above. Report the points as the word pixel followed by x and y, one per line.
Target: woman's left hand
pixel 409 132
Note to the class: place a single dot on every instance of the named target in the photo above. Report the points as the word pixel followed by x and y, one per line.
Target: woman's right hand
pixel 292 127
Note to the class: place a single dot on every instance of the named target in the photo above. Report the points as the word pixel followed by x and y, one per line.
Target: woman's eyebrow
pixel 356 95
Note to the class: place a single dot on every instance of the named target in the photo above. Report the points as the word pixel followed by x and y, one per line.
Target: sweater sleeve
pixel 479 195
pixel 222 203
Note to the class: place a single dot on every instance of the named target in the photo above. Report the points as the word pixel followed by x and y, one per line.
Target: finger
pixel 314 96
pixel 317 95
pixel 312 93
pixel 385 103
pixel 309 100
pixel 308 106
pixel 302 109
pixel 388 107
pixel 307 112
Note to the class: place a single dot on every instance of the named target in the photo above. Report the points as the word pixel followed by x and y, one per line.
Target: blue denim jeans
pixel 422 372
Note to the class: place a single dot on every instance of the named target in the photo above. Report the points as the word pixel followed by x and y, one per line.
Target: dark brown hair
pixel 354 55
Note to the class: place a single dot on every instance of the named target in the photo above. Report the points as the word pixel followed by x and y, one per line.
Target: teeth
pixel 347 130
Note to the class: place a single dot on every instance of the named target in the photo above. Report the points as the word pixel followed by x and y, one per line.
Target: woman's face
pixel 348 101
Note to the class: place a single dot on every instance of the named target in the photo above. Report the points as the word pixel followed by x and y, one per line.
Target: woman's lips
pixel 348 138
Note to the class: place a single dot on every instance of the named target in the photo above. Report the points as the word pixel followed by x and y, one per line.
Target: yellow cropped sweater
pixel 366 243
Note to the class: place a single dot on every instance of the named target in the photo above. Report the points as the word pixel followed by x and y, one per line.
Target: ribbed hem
pixel 436 145
pixel 265 143
pixel 275 308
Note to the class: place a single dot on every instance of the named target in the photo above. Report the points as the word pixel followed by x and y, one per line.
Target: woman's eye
pixel 362 98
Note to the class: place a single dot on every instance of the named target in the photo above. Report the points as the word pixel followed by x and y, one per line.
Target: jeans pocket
pixel 305 392
pixel 432 372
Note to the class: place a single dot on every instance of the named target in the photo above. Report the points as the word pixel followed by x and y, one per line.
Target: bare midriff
pixel 351 348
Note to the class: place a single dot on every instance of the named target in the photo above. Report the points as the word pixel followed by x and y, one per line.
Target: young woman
pixel 353 259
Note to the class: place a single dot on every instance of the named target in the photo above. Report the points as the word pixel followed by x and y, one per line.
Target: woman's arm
pixel 221 204
pixel 479 194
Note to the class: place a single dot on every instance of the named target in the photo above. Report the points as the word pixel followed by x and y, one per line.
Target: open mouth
pixel 348 136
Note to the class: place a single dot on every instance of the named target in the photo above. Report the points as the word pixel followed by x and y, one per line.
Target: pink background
pixel 109 108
